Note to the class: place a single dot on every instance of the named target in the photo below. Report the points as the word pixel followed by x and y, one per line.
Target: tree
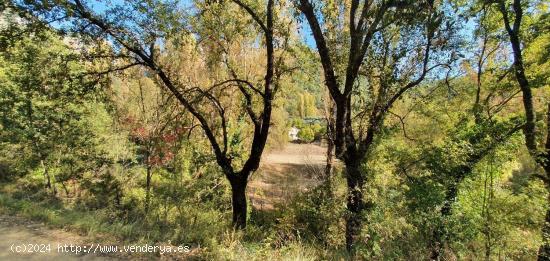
pixel 490 128
pixel 44 98
pixel 388 46
pixel 153 120
pixel 512 18
pixel 139 30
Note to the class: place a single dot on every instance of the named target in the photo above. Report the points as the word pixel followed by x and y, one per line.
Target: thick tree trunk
pixel 355 204
pixel 238 199
pixel 330 136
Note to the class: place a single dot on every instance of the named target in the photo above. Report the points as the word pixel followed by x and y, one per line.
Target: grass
pixel 91 224
pixel 96 226
pixel 190 219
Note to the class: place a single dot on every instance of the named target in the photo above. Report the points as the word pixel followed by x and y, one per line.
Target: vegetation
pixel 147 121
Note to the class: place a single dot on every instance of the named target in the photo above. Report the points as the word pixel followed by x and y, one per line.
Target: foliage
pixel 306 134
pixel 95 138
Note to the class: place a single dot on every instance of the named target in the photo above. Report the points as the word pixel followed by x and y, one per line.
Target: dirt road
pixel 17 234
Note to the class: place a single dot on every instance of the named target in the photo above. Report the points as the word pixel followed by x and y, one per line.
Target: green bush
pixel 306 134
pixel 319 131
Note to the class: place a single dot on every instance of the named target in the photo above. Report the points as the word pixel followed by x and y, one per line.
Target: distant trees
pixel 44 101
pixel 306 134
pixel 306 107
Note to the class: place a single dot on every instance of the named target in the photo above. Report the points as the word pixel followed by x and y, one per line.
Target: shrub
pixel 306 134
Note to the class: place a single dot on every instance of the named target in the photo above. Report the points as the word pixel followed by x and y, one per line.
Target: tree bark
pixel 238 201
pixel 329 117
pixel 355 204
pixel 330 147
pixel 48 184
pixel 329 165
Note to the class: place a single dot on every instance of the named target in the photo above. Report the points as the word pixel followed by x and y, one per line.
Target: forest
pixel 279 129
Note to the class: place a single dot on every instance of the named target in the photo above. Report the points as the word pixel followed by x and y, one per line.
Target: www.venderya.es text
pixel 96 248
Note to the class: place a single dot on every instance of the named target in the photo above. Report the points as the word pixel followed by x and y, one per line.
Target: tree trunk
pixel 238 200
pixel 48 184
pixel 530 116
pixel 439 234
pixel 355 204
pixel 330 157
pixel 148 190
pixel 330 136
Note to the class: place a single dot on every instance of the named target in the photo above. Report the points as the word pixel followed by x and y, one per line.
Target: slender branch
pixel 148 61
pixel 253 14
pixel 402 120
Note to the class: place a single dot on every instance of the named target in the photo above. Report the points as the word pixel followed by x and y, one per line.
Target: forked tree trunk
pixel 238 201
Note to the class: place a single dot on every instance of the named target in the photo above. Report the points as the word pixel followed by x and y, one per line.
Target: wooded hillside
pixel 282 129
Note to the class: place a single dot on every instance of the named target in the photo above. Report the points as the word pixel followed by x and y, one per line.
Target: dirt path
pixel 17 233
pixel 285 173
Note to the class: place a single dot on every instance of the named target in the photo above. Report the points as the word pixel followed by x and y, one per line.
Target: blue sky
pixel 100 6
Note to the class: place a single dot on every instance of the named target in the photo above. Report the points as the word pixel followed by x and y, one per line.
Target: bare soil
pixel 16 231
pixel 285 173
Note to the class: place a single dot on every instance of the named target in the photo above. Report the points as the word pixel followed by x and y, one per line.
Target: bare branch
pixel 402 120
